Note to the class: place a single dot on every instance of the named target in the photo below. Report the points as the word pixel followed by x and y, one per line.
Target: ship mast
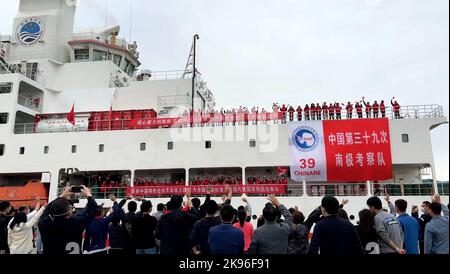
pixel 191 67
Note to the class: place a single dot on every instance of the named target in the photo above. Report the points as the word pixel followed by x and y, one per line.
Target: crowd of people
pixel 185 226
pixel 315 111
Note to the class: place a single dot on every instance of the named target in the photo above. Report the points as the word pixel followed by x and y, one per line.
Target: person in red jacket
pixel 299 113
pixel 319 111
pixel 307 113
pixel 291 113
pixel 331 109
pixel 338 110
pixel 368 108
pixel 396 107
pixel 359 109
pixel 383 109
pixel 349 109
pixel 325 111
pixel 375 109
pixel 313 112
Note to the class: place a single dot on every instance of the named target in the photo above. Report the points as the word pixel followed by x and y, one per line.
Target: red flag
pixel 282 170
pixel 71 115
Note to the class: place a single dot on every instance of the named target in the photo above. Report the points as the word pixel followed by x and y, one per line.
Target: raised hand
pixel 344 202
pixel 86 191
pixel 274 200
pixel 436 198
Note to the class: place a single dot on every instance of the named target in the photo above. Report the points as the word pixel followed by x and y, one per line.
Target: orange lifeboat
pixel 25 195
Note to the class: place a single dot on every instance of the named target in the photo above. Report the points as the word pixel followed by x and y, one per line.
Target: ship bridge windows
pixel 99 55
pixel 4 118
pixel 5 88
pixel 82 54
pixel 117 59
pixel 124 64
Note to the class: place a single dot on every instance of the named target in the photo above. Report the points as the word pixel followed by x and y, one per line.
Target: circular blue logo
pixel 305 139
pixel 29 32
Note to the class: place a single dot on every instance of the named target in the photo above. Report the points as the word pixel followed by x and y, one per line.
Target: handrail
pixel 418 112
pixel 28 102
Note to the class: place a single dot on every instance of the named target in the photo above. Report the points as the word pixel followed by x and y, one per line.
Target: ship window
pixel 5 88
pixel 117 59
pixel 124 65
pixel 3 118
pixel 101 148
pixel 2 150
pixel 46 149
pixel 252 143
pixel 405 138
pixel 22 150
pixel 208 145
pixel 100 55
pixel 143 146
pixel 170 146
pixel 81 54
pixel 74 149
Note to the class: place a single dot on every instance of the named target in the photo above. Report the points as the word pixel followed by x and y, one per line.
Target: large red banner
pixel 202 190
pixel 358 150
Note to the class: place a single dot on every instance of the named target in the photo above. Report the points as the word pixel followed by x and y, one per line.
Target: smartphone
pixel 76 189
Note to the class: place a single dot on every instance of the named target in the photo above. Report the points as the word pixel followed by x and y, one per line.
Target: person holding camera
pixel 61 230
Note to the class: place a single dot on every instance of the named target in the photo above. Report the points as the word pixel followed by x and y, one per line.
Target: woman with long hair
pixel 367 233
pixel 244 226
pixel 20 232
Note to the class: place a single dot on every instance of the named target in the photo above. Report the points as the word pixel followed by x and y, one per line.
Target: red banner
pixel 145 123
pixel 202 190
pixel 358 150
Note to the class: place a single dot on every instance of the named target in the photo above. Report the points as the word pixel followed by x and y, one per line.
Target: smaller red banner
pixel 202 190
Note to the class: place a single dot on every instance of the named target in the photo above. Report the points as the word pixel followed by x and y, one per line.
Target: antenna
pixel 106 14
pixel 131 19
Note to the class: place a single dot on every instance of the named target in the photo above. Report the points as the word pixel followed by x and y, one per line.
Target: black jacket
pixel 200 233
pixel 4 220
pixel 335 236
pixel 143 231
pixel 173 231
pixel 64 236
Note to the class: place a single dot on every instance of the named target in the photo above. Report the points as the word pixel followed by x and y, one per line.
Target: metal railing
pixel 317 190
pixel 177 100
pixel 403 189
pixel 166 75
pixel 29 103
pixel 24 128
pixel 420 112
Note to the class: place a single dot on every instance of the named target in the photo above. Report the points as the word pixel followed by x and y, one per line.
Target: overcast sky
pixel 255 52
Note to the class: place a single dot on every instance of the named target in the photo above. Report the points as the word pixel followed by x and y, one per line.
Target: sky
pixel 256 52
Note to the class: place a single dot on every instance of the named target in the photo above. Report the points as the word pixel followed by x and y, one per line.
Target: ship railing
pixel 166 75
pixel 28 128
pixel 339 190
pixel 409 189
pixel 29 103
